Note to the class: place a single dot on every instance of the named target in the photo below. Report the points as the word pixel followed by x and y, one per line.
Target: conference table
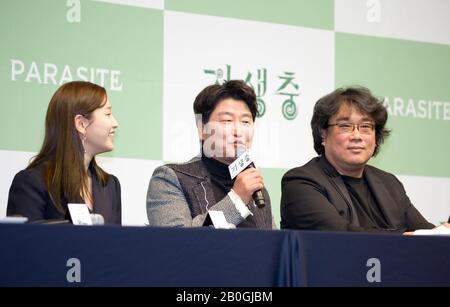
pixel 74 256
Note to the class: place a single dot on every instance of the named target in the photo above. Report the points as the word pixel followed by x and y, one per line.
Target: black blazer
pixel 315 197
pixel 28 197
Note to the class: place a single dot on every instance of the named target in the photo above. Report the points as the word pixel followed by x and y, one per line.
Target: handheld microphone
pixel 258 196
pixel 242 163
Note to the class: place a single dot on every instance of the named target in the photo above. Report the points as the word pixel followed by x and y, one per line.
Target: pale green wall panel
pixel 272 180
pixel 315 14
pixel 123 46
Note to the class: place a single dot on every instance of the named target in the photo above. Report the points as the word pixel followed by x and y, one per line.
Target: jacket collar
pixel 193 168
pixel 327 167
pixel 376 186
pixel 339 185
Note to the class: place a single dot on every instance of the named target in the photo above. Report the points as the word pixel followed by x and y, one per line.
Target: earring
pixel 82 142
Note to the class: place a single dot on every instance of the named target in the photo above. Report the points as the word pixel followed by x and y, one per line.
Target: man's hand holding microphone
pixel 249 182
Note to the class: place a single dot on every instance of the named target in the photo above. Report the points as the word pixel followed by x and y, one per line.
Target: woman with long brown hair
pixel 79 125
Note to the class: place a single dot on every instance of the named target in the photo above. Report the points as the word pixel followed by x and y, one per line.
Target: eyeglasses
pixel 363 128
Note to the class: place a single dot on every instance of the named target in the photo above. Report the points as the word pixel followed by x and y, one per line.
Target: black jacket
pixel 28 197
pixel 315 197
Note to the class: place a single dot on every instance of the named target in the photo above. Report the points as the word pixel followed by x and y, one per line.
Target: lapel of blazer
pixel 204 194
pixel 381 195
pixel 202 189
pixel 340 187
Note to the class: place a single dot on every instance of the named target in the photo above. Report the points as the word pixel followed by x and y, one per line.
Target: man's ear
pixel 81 123
pixel 200 126
pixel 323 135
pixel 200 130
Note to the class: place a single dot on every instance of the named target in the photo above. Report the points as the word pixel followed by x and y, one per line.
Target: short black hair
pixel 357 96
pixel 207 100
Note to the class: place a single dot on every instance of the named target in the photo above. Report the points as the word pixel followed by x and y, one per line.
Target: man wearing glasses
pixel 338 191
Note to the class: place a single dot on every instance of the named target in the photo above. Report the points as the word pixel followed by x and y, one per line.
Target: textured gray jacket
pixel 179 195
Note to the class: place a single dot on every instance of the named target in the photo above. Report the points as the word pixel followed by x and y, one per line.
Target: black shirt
pixel 222 184
pixel 369 213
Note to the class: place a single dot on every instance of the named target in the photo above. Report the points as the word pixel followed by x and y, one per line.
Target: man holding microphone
pixel 202 192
